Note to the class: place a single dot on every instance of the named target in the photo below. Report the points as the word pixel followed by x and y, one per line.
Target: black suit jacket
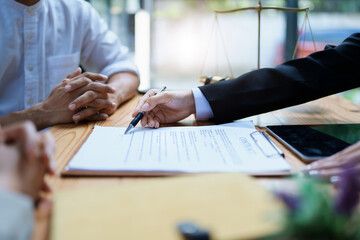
pixel 333 70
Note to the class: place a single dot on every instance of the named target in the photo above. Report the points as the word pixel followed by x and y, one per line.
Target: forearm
pixel 126 84
pixel 36 114
pixel 294 82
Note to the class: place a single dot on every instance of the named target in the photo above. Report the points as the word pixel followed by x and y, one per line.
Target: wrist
pixel 39 115
pixel 115 98
pixel 190 102
pixel 126 84
pixel 36 114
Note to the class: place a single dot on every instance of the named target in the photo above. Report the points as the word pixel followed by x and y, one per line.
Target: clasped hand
pixel 81 96
pixel 26 156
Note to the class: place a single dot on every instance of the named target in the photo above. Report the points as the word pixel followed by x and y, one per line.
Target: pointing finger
pixel 143 100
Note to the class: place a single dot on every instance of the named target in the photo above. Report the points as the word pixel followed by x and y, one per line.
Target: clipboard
pixel 267 150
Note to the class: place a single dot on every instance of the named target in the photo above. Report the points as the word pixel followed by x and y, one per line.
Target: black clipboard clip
pixel 265 144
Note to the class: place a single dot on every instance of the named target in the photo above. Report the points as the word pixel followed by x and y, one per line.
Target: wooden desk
pixel 69 138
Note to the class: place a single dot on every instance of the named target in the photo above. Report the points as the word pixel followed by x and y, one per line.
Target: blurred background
pixel 176 41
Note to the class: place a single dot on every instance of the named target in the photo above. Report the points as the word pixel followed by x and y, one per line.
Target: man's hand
pixel 95 105
pixel 95 102
pixel 335 164
pixel 25 157
pixel 166 107
pixel 78 98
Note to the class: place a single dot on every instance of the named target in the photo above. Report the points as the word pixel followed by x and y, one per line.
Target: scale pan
pixel 213 78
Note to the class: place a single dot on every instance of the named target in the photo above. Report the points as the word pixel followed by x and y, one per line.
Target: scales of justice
pixel 206 79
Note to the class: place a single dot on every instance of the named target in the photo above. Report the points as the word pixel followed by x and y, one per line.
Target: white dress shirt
pixel 16 216
pixel 202 106
pixel 41 44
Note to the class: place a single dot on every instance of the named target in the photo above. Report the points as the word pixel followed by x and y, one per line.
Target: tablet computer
pixel 312 142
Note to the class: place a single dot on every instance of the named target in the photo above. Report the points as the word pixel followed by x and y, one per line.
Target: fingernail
pixel 104 76
pixel 145 107
pixel 113 105
pixel 72 106
pixel 76 117
pixel 113 89
pixel 314 172
pixel 104 115
pixel 68 87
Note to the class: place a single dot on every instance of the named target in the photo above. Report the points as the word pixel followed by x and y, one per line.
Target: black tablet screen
pixel 320 140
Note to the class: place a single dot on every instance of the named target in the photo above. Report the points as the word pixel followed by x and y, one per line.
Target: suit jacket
pixel 333 70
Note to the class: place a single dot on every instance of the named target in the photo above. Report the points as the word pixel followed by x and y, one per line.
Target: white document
pixel 222 148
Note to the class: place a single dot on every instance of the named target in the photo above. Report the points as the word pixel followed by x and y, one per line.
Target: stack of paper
pixel 173 150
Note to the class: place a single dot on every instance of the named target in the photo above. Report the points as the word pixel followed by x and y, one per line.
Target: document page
pixel 221 148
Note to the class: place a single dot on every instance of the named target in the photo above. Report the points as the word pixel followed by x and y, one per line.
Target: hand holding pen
pixel 140 115
pixel 166 107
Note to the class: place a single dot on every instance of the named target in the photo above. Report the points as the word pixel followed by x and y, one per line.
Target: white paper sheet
pixel 221 148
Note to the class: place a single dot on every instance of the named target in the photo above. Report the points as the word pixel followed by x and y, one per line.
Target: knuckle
pixel 92 85
pixel 103 95
pixel 149 93
pixel 85 79
pixel 96 105
pixel 101 87
pixel 85 113
pixel 64 82
pixel 92 111
pixel 108 89
pixel 91 94
pixel 166 94
pixel 108 104
pixel 88 80
pixel 143 100
pixel 150 101
pixel 87 74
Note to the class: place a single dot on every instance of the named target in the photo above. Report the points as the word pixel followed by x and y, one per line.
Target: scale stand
pixel 206 79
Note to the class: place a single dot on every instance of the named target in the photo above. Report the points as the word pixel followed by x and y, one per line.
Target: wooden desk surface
pixel 69 138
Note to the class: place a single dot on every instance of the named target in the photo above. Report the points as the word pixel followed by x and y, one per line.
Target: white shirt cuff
pixel 202 106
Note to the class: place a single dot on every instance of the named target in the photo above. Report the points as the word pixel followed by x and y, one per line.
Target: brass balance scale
pixel 207 79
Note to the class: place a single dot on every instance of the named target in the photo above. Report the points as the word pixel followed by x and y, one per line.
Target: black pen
pixel 140 115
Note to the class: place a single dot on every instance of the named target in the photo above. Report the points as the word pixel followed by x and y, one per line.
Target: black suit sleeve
pixel 323 73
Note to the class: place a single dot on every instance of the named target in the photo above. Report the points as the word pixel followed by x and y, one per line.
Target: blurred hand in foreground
pixel 25 157
pixel 333 166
